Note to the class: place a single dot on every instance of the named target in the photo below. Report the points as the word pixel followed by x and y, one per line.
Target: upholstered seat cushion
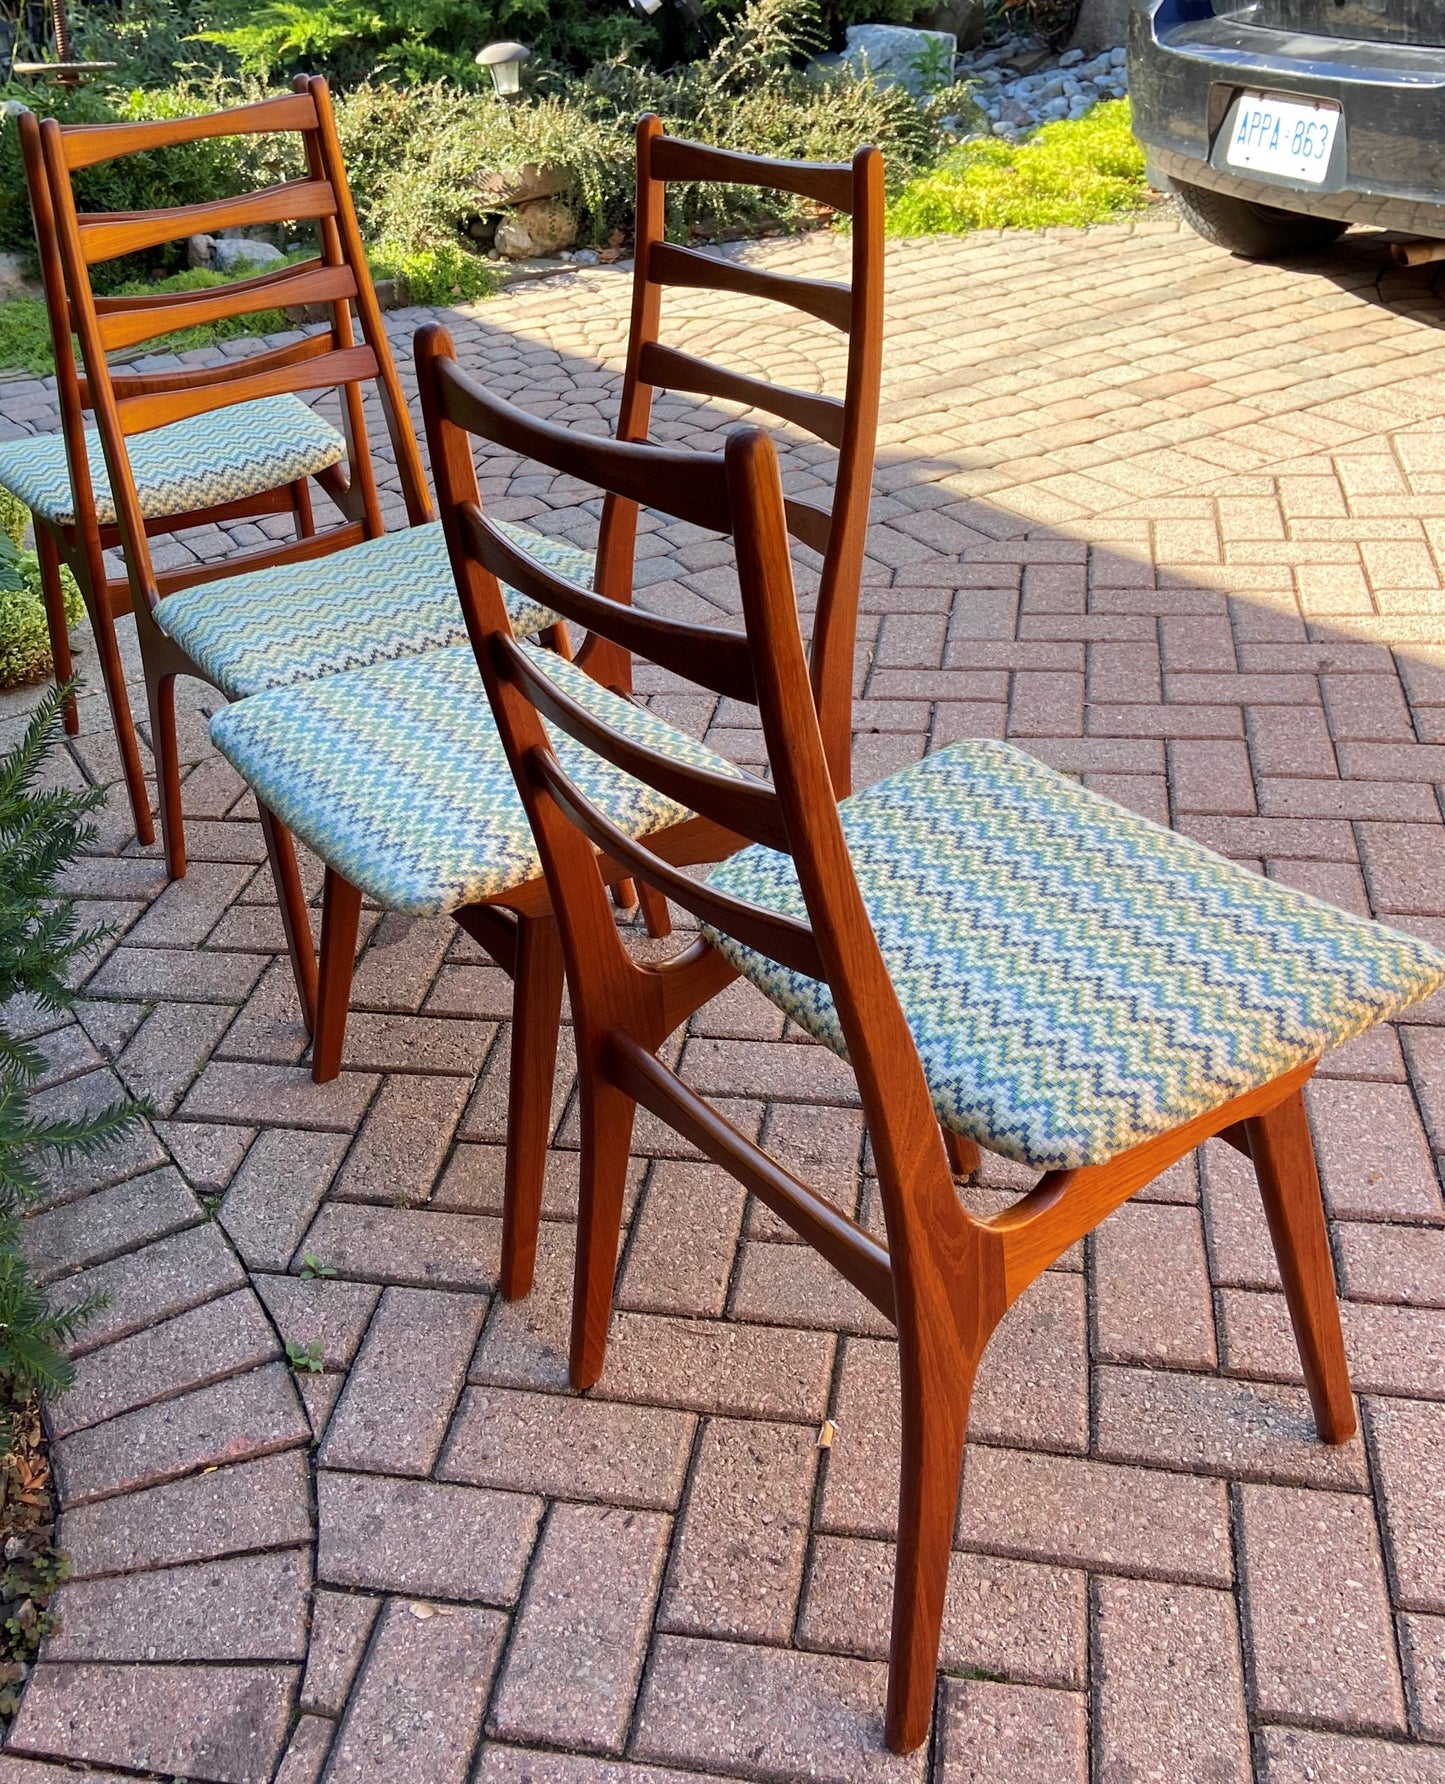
pixel 385 598
pixel 396 776
pixel 1076 978
pixel 190 465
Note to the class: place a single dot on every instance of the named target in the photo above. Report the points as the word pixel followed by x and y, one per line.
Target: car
pixel 1276 124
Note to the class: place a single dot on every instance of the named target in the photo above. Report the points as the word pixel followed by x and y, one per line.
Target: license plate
pixel 1289 137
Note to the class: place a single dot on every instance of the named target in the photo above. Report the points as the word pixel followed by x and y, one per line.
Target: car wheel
pixel 1254 231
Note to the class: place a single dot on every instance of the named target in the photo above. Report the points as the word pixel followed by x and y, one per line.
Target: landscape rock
pixel 502 187
pixel 1069 86
pixel 966 20
pixel 542 227
pixel 898 56
pixel 223 254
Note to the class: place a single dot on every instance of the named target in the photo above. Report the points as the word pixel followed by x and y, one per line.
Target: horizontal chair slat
pixel 129 384
pixel 105 234
pixel 748 807
pixel 697 492
pixel 668 264
pixel 145 318
pixel 85 144
pixel 139 414
pixel 830 183
pixel 808 522
pixel 666 367
pixel 706 654
pixel 780 938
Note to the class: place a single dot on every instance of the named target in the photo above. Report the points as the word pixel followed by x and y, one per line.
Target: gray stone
pixel 897 56
pixel 144 1287
pixel 423 1538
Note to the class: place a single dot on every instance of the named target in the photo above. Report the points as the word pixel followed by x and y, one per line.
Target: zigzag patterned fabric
pixel 388 597
pixel 396 775
pixel 1077 979
pixel 187 466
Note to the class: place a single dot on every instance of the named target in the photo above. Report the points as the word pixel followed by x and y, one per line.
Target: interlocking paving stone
pixel 581 1633
pixel 1300 1756
pixel 737 1563
pixel 572 1449
pixel 393 1416
pixel 716 1366
pixel 684 1236
pixel 400 962
pixel 221 1338
pixel 1020 1732
pixel 257 1505
pixel 1242 1430
pixel 149 1285
pixel 102 1225
pixel 1317 1615
pixel 320 1310
pixel 1012 1618
pixel 278 1188
pixel 201 976
pixel 1422 1655
pixel 1192 1726
pixel 207 1155
pixel 306 1751
pixel 230 1421
pixel 250 1608
pixel 396 1043
pixel 1408 1438
pixel 228 1091
pixel 404 1139
pixel 1374 1162
pixel 411 1246
pixel 423 1538
pixel 511 1765
pixel 169 1049
pixel 1151 1288
pixel 792 1285
pixel 766 1713
pixel 418 1703
pixel 341 1624
pixel 221 1722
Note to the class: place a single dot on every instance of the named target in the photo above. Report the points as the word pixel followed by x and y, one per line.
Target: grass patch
pixel 1075 171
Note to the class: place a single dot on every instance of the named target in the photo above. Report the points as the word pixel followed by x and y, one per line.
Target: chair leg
pixel 1284 1162
pixel 935 1422
pixel 161 698
pixel 963 1155
pixel 655 913
pixel 112 673
pixel 607 1118
pixel 55 623
pixel 301 508
pixel 536 1022
pixel 340 921
pixel 291 897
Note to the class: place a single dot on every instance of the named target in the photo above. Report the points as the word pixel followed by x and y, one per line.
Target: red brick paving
pixel 1173 522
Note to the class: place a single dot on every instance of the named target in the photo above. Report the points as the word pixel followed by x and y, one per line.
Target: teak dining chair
pixel 395 777
pixel 255 620
pixel 989 945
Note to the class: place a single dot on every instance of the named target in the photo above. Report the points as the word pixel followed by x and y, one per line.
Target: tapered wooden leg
pixel 624 895
pixel 935 1422
pixel 112 673
pixel 161 696
pixel 557 638
pixel 340 920
pixel 536 1022
pixel 607 1118
pixel 1284 1162
pixel 301 508
pixel 55 622
pixel 963 1155
pixel 291 897
pixel 655 913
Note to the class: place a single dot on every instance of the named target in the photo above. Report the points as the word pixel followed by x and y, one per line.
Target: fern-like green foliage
pixel 41 829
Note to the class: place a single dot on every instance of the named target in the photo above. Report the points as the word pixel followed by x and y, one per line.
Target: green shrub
pixel 1073 172
pixel 443 275
pixel 39 942
pixel 24 635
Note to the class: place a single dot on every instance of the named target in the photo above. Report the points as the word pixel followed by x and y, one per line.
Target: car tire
pixel 1253 231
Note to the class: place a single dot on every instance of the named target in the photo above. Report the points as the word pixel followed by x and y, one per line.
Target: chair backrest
pixel 738 493
pixel 849 422
pixel 72 241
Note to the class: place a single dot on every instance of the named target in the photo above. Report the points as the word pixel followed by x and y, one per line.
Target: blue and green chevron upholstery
pixel 395 775
pixel 388 597
pixel 1076 978
pixel 192 464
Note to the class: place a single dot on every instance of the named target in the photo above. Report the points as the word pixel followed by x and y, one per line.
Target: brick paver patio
pixel 1176 524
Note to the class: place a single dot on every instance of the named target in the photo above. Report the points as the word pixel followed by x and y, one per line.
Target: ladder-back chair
pixel 253 620
pixel 396 779
pixel 988 944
